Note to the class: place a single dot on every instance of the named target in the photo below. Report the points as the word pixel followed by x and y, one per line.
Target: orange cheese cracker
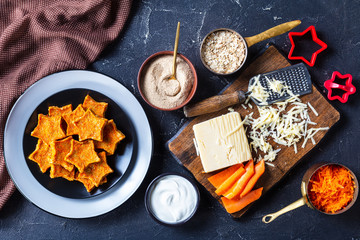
pixel 97 171
pixel 58 171
pixel 89 185
pixel 71 159
pixel 42 155
pixel 111 137
pixel 90 126
pixel 59 111
pixel 98 108
pixel 71 117
pixel 60 149
pixel 82 154
pixel 48 128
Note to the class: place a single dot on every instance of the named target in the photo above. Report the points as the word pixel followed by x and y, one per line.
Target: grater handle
pixel 214 104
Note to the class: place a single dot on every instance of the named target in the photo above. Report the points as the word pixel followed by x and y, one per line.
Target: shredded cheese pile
pixel 277 86
pixel 331 188
pixel 275 122
pixel 258 92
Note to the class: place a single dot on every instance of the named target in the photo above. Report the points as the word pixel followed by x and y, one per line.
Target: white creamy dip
pixel 173 199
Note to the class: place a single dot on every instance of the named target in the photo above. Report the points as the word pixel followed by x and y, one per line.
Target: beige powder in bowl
pixel 158 89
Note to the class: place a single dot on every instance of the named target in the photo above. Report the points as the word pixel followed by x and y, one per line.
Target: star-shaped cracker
pixel 60 149
pixel 111 137
pixel 90 126
pixel 57 111
pixel 97 171
pixel 82 154
pixel 48 128
pixel 98 108
pixel 71 117
pixel 42 155
pixel 58 171
pixel 89 185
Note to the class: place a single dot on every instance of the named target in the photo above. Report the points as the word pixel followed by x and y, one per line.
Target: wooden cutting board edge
pixel 243 211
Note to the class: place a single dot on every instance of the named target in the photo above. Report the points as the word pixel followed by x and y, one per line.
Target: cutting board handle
pixel 214 104
pixel 272 32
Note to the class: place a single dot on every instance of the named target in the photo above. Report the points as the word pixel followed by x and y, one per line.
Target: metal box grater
pixel 296 77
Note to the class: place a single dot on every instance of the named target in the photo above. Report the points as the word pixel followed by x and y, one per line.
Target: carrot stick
pixel 235 205
pixel 230 181
pixel 217 179
pixel 239 186
pixel 259 170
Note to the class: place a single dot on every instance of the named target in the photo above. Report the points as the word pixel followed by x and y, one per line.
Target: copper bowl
pixel 305 200
pixel 236 34
pixel 151 58
pixel 249 41
pixel 305 187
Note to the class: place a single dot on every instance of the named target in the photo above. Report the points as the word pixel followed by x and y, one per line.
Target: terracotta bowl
pixel 151 58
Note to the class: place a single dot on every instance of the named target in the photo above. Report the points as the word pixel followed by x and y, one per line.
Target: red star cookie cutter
pixel 314 38
pixel 348 87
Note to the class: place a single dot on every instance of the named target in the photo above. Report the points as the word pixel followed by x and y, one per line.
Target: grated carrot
pixel 331 188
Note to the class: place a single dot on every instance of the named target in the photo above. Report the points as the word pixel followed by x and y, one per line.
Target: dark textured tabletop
pixel 151 28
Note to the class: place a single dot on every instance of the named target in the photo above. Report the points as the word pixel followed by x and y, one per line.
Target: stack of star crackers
pixel 74 144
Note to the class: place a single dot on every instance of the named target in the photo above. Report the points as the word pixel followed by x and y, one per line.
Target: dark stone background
pixel 151 28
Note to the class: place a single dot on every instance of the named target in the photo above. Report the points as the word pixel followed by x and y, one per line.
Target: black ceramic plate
pixel 118 162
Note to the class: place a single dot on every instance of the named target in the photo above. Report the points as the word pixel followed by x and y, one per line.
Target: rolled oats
pixel 223 51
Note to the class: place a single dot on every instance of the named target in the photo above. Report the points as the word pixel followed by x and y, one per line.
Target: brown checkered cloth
pixel 40 37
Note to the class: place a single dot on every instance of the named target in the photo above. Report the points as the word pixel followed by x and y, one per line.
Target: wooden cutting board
pixel 182 145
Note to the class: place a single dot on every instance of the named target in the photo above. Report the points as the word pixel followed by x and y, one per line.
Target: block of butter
pixel 221 142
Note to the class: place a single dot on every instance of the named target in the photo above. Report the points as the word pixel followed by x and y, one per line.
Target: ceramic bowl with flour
pixel 156 87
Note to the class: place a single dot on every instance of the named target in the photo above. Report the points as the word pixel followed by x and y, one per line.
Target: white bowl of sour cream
pixel 172 199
